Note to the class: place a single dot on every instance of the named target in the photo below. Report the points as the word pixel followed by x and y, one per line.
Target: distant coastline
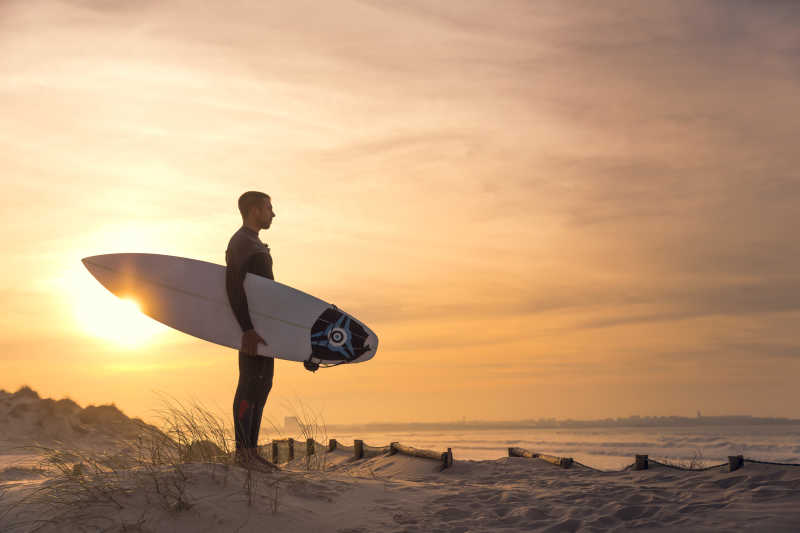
pixel 551 423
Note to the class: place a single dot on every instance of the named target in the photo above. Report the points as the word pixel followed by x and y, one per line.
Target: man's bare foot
pixel 249 458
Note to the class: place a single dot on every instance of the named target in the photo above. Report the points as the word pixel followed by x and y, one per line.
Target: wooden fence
pixel 640 462
pixel 285 450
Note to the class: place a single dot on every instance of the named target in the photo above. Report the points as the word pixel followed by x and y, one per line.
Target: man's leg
pixel 255 381
pixel 263 387
pixel 244 402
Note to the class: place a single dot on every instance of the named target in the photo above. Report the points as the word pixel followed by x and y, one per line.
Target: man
pixel 246 253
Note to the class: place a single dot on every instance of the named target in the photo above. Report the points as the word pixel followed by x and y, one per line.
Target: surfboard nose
pixel 94 263
pixel 111 270
pixel 98 267
pixel 88 262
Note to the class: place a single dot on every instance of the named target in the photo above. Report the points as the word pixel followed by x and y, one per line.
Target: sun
pixel 119 320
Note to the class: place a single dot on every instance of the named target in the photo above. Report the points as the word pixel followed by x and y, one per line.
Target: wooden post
pixel 358 449
pixel 735 462
pixel 291 448
pixel 332 445
pixel 309 447
pixel 447 458
pixel 641 462
pixel 275 451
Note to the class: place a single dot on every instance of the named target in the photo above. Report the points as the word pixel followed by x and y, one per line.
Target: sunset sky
pixel 542 208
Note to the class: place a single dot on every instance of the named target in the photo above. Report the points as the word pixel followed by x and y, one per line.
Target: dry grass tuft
pixel 696 462
pixel 193 433
pixel 312 426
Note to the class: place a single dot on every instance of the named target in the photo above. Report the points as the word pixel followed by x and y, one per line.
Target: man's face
pixel 266 214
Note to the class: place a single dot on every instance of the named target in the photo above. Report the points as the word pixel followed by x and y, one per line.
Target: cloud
pixel 605 169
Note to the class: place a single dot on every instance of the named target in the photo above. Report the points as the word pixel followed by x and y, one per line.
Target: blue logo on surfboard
pixel 335 336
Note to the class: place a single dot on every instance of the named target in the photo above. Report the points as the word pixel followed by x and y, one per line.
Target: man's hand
pixel 250 341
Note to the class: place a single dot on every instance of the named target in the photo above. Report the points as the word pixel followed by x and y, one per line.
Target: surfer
pixel 246 253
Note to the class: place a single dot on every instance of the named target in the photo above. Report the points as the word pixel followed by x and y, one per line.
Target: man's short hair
pixel 249 200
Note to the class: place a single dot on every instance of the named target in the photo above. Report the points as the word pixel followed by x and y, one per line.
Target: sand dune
pixel 25 418
pixel 383 492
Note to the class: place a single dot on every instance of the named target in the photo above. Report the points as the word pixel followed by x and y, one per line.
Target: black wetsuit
pixel 246 253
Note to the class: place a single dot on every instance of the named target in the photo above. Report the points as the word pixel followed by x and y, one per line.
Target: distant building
pixel 291 425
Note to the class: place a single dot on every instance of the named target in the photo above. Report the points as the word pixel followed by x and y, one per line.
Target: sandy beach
pixel 42 489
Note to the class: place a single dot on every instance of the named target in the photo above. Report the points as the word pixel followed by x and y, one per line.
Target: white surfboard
pixel 190 296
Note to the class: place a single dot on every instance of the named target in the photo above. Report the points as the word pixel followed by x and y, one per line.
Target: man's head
pixel 256 209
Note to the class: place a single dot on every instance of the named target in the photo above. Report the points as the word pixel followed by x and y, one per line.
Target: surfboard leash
pixel 313 366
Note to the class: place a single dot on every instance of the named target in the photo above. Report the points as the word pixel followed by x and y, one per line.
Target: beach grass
pixel 103 489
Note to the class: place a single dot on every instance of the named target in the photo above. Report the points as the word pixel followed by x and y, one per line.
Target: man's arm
pixel 234 285
pixel 259 264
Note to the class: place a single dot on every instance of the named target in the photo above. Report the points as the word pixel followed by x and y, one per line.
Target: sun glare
pixel 103 315
pixel 120 321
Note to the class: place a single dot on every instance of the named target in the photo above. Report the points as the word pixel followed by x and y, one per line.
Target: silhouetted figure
pixel 246 253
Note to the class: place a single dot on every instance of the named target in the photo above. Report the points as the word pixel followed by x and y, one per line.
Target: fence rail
pixel 563 462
